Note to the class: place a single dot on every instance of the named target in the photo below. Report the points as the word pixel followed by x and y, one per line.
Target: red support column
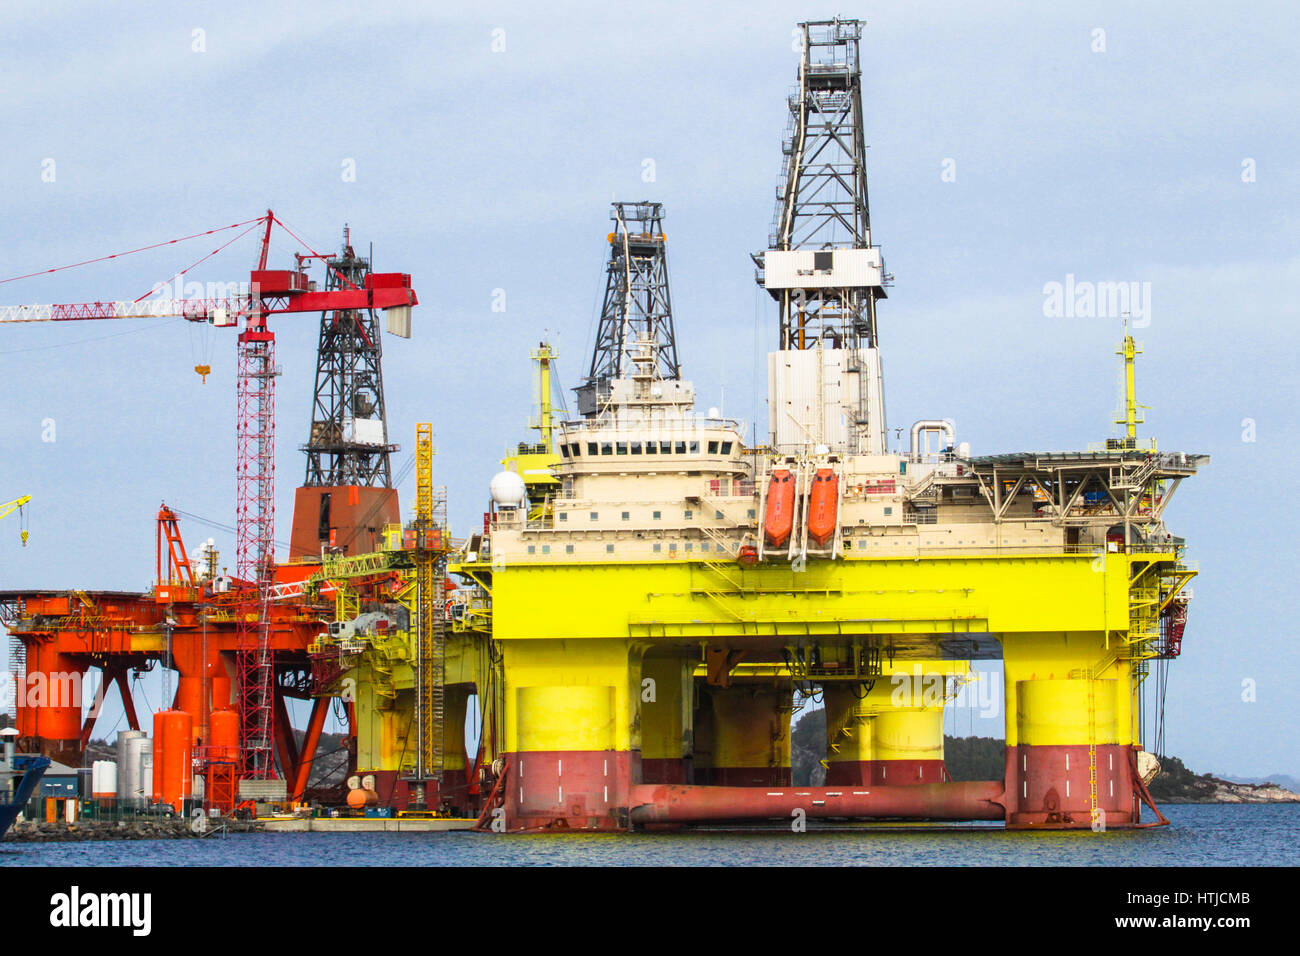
pixel 128 705
pixel 319 710
pixel 286 747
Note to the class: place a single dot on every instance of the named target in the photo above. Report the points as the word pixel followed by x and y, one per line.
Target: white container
pixel 363 431
pixel 103 779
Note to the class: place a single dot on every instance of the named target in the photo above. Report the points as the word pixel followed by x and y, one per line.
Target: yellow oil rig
pixel 658 589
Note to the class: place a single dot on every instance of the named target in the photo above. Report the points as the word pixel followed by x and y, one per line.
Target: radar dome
pixel 508 490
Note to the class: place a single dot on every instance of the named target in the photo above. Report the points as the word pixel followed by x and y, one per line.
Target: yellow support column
pixel 1070 741
pixel 667 733
pixel 892 734
pixel 572 734
pixel 751 735
pixel 454 786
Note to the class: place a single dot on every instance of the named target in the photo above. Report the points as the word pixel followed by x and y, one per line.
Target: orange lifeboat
pixel 823 504
pixel 778 521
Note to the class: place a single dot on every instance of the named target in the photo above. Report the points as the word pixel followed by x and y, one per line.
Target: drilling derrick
pixel 821 267
pixel 349 390
pixel 635 337
pixel 347 495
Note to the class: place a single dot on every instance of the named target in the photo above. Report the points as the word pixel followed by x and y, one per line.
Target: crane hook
pixel 205 371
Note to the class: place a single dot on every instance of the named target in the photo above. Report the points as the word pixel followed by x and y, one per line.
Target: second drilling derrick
pixel 637 315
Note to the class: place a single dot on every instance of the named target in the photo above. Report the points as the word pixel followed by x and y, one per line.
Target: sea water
pixel 1202 835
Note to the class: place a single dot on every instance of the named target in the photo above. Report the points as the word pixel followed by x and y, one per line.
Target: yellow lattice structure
pixel 430 664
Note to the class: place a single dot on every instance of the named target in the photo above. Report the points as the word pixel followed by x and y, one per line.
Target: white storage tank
pixel 134 769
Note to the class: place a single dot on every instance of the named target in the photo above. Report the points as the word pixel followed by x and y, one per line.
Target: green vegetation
pixel 967 758
pixel 975 758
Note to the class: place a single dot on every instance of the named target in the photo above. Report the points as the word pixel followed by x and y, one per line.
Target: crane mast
pixel 430 625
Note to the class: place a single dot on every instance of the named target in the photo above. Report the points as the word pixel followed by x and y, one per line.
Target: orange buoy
pixel 359 799
pixel 778 521
pixel 823 506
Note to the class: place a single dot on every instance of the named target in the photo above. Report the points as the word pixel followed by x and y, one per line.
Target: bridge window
pixel 622 448
pixel 681 448
pixel 592 448
pixel 636 448
pixel 726 448
pixel 713 448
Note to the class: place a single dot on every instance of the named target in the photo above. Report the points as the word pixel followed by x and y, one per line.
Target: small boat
pixel 823 506
pixel 19 776
pixel 778 521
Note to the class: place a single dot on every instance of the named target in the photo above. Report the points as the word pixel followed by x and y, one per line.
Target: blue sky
pixel 479 170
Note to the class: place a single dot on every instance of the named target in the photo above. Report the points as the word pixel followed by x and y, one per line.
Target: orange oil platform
pixel 237 643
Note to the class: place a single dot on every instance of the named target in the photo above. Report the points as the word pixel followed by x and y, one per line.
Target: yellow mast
pixel 1129 351
pixel 544 355
pixel 429 628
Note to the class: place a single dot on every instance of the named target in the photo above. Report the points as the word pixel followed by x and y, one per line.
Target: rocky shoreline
pixel 31 831
pixel 1214 790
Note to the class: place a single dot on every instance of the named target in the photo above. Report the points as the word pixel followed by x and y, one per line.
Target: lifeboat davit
pixel 778 521
pixel 823 506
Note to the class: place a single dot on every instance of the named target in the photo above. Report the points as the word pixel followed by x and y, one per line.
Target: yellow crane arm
pixel 9 507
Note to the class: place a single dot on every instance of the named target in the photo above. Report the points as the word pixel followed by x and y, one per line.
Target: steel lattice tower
pixel 255 542
pixel 822 202
pixel 349 390
pixel 637 310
